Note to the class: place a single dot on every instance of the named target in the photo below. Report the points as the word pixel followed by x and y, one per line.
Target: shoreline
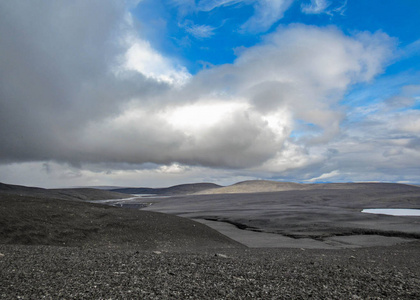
pixel 259 239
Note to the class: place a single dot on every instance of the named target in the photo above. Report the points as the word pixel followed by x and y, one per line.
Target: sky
pixel 163 92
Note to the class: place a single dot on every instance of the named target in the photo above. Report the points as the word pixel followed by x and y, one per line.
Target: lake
pixel 393 211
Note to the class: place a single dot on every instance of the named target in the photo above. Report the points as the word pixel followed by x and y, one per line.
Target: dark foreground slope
pixel 35 221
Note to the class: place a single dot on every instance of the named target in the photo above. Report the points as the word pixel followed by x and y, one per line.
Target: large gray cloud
pixel 61 99
pixel 298 74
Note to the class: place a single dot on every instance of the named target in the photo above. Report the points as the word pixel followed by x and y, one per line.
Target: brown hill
pixel 255 186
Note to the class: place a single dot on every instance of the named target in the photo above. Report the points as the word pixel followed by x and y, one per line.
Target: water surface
pixel 393 211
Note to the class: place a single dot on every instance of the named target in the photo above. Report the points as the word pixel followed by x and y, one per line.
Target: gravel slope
pixel 33 221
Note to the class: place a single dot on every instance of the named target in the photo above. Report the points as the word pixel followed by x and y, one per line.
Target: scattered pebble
pixel 221 255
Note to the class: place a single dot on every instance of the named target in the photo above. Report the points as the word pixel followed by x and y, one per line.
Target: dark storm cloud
pixel 56 63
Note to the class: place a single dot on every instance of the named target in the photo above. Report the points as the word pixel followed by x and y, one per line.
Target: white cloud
pixel 208 5
pixel 307 70
pixel 267 12
pixel 200 31
pixel 328 7
pixel 341 8
pixel 329 176
pixel 142 58
pixel 315 6
pixel 193 118
pixel 174 168
pixel 382 144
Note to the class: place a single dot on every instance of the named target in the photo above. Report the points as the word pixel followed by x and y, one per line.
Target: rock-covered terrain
pixel 47 272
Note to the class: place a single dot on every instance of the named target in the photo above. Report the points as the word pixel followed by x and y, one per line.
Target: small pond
pixel 393 211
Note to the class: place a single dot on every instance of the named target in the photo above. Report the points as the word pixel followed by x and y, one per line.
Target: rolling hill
pixel 261 186
pixel 79 194
pixel 182 189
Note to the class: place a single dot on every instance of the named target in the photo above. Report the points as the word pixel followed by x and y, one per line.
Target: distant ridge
pixel 260 186
pixel 182 189
pixel 79 194
pixel 255 186
pixel 13 187
pixel 243 187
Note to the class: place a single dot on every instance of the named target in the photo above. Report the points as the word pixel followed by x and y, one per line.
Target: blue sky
pixel 195 34
pixel 162 92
